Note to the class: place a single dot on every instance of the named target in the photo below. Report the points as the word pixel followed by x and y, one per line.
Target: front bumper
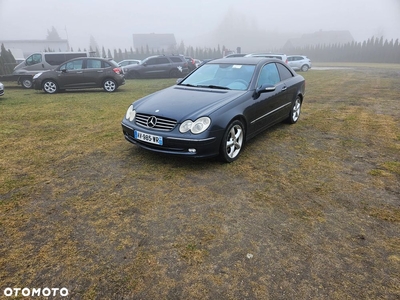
pixel 176 144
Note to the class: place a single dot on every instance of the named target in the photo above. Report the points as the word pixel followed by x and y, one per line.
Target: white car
pixel 1 89
pixel 299 62
pixel 127 62
pixel 282 57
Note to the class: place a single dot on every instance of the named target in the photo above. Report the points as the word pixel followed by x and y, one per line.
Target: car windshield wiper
pixel 211 86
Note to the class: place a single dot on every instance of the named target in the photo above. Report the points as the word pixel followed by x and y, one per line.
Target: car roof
pixel 243 60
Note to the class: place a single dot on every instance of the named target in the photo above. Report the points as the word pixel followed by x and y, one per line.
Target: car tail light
pixel 117 70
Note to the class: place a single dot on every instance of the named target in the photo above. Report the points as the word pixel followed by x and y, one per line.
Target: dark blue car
pixel 215 109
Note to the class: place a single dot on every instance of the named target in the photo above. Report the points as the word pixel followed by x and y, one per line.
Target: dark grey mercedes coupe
pixel 217 108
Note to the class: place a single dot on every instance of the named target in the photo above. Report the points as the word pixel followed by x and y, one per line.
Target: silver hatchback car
pixel 1 89
pixel 299 62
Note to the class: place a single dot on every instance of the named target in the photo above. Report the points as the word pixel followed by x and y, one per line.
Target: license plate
pixel 145 137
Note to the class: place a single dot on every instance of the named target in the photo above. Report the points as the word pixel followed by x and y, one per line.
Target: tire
pixel 304 68
pixel 109 85
pixel 132 75
pixel 232 141
pixel 26 82
pixel 50 87
pixel 295 111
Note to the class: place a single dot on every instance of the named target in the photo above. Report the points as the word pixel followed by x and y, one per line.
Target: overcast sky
pixel 112 23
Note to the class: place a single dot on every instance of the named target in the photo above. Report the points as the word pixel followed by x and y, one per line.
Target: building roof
pixel 320 38
pixel 154 41
pixel 31 46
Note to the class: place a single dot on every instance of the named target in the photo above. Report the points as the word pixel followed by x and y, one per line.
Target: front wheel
pixel 295 111
pixel 109 85
pixel 50 87
pixel 174 73
pixel 232 141
pixel 26 82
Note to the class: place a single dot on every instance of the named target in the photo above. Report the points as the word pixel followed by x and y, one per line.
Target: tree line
pixel 374 50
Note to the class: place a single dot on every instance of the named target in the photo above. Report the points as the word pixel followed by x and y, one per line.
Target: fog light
pixel 192 150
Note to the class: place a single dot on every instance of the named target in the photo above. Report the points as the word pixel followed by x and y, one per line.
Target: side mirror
pixel 64 70
pixel 265 88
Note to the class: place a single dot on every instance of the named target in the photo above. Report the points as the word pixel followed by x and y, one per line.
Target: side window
pixel 176 59
pixel 54 59
pixel 284 72
pixel 268 75
pixel 151 61
pixel 34 59
pixel 72 65
pixel 93 64
pixel 162 60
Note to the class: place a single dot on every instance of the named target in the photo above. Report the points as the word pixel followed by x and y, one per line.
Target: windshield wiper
pixel 211 86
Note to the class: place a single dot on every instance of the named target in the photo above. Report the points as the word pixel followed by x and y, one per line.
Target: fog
pixel 112 23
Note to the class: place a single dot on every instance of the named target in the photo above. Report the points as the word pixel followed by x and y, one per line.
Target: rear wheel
pixel 232 141
pixel 109 85
pixel 304 68
pixel 50 87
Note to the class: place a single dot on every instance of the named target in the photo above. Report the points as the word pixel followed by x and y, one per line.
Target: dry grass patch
pixel 309 211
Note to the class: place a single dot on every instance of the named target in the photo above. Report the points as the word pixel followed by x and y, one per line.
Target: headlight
pixel 196 127
pixel 130 113
pixel 37 75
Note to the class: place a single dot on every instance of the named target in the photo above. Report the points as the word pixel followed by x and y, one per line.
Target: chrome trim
pixel 271 112
pixel 190 140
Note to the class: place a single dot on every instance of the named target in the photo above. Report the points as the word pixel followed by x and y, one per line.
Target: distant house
pixel 30 46
pixel 320 38
pixel 154 42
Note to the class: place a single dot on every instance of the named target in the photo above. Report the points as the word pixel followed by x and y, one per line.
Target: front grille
pixel 154 122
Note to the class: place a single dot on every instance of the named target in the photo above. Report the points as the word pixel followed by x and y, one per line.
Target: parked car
pixel 191 63
pixel 128 62
pixel 1 89
pixel 282 57
pixel 197 62
pixel 235 55
pixel 299 62
pixel 159 66
pixel 80 73
pixel 217 108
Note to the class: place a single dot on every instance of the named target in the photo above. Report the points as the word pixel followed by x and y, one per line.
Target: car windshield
pixel 221 76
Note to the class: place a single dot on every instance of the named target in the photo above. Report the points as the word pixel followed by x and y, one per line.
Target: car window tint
pixel 162 60
pixel 93 64
pixel 176 59
pixel 284 72
pixel 268 75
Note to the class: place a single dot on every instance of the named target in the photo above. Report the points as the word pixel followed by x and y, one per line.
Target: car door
pixel 93 73
pixel 157 67
pixel 70 74
pixel 266 109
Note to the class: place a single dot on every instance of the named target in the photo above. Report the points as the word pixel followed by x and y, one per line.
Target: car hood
pixel 181 103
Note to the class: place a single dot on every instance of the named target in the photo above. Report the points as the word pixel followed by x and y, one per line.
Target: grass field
pixel 309 211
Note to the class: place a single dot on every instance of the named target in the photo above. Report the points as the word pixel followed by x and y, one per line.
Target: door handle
pixel 79 72
pixel 284 88
pixel 100 71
